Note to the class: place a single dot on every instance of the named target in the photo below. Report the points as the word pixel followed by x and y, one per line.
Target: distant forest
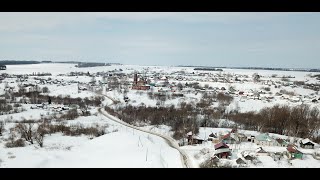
pixel 81 64
pixel 13 62
pixel 207 69
pixel 255 68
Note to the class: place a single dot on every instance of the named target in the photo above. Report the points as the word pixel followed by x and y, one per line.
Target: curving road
pixel 171 142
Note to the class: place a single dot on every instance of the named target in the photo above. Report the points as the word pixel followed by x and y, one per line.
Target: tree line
pixel 298 121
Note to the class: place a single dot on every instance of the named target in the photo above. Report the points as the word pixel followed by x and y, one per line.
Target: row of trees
pixel 29 131
pixel 299 121
pixel 37 98
pixel 181 120
pixel 6 108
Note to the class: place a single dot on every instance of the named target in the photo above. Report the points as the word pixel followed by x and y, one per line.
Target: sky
pixel 255 39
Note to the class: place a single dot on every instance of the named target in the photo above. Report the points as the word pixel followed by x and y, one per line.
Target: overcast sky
pixel 213 39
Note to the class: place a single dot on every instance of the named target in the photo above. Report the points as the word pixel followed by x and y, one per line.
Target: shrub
pixel 266 88
pixel 299 83
pixel 16 105
pixel 17 143
pixel 226 165
pixel 208 164
pixel 71 114
pixel 290 93
pixel 26 130
pixel 224 99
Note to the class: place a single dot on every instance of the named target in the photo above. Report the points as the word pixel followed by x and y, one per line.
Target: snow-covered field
pixel 120 147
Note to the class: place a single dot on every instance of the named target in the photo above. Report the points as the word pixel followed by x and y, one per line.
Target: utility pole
pixel 147 155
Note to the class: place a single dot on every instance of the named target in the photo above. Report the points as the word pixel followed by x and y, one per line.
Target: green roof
pixel 264 137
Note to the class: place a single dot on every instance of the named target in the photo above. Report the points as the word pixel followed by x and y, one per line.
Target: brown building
pixel 139 84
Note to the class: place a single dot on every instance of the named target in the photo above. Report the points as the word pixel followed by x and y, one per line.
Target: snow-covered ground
pixel 120 147
pixel 125 147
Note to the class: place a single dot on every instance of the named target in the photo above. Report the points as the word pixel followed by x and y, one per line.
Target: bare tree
pixel 39 134
pixel 1 127
pixel 26 131
pixel 45 89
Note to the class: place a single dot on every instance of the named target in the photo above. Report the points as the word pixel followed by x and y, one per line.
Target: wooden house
pixel 194 139
pixel 222 150
pixel 307 144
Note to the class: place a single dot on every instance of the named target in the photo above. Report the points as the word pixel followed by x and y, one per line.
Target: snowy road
pixel 171 142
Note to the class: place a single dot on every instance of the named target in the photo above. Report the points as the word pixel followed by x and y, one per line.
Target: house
pixel 264 140
pixel 194 139
pixel 3 67
pixel 261 152
pixel 241 137
pixel 211 137
pixel 281 142
pixel 293 152
pixel 230 138
pixel 249 157
pixel 250 138
pixel 307 144
pixel 222 150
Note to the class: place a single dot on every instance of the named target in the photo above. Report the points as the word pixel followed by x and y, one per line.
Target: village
pixel 244 149
pixel 57 92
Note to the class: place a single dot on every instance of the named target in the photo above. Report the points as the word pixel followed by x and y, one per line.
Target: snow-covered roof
pixel 293 149
pixel 221 144
pixel 304 141
pixel 264 137
pixel 218 151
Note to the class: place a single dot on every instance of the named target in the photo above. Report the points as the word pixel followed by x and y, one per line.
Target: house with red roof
pixel 222 150
pixel 293 152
